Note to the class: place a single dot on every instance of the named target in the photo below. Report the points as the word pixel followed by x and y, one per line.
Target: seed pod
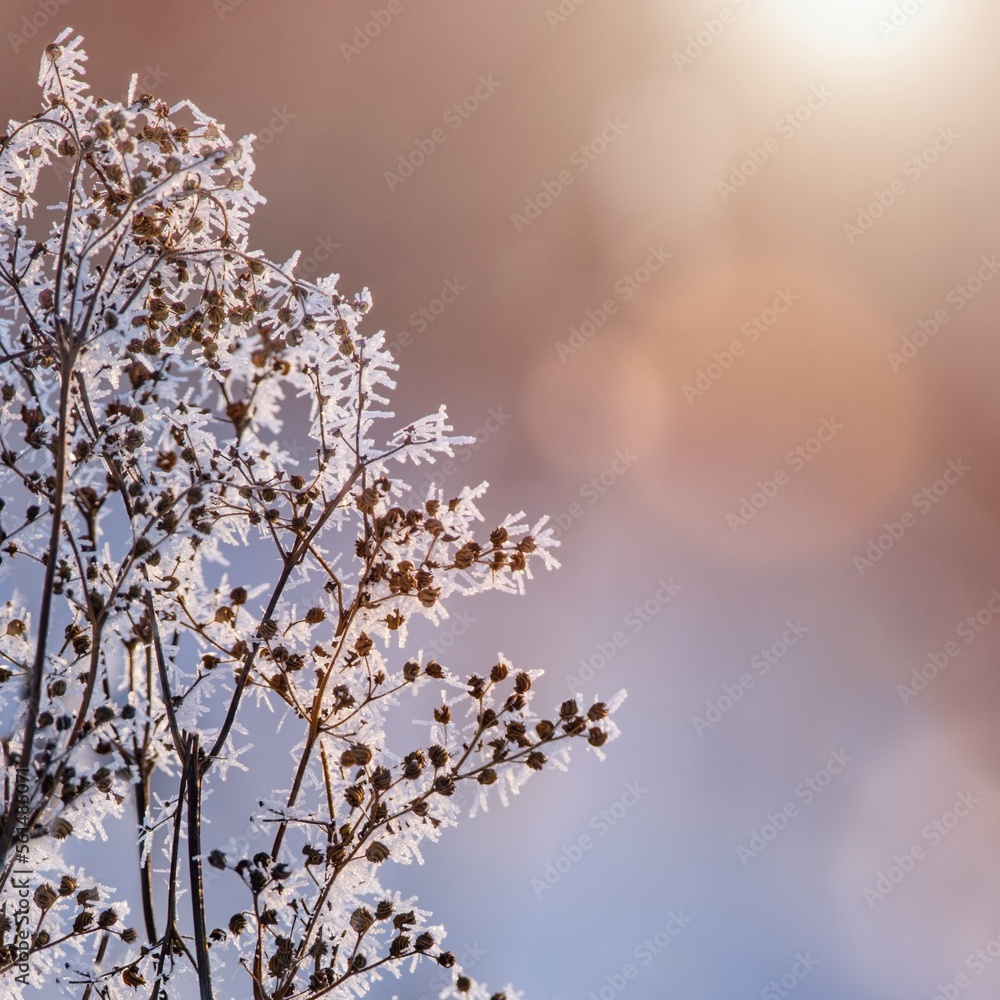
pixel 498 672
pixel 444 785
pixel 515 731
pixel 428 596
pixel 487 776
pixel 384 910
pixel 131 976
pixel 361 920
pixel 44 896
pixel 522 682
pixel 536 760
pixel 545 729
pixel 377 852
pixel 465 556
pixel 568 709
pixel 61 828
pixel 67 886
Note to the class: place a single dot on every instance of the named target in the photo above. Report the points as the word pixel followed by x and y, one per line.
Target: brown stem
pixel 45 611
pixel 194 871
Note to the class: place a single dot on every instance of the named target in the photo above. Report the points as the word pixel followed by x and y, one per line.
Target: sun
pixel 842 23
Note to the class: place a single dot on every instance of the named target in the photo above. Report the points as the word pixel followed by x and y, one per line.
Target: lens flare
pixel 851 23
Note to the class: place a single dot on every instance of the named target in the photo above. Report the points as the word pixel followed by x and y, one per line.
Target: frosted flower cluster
pixel 172 565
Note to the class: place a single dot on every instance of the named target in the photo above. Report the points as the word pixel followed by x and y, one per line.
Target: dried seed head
pixel 44 896
pixel 377 852
pixel 545 729
pixel 61 828
pixel 361 920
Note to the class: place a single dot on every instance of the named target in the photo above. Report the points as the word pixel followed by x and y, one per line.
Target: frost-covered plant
pixel 169 557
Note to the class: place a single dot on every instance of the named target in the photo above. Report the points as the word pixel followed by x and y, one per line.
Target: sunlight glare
pixel 852 23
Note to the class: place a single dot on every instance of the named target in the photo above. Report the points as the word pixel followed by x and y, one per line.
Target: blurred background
pixel 713 285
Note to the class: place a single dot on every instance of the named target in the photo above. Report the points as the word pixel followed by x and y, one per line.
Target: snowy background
pixel 713 285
